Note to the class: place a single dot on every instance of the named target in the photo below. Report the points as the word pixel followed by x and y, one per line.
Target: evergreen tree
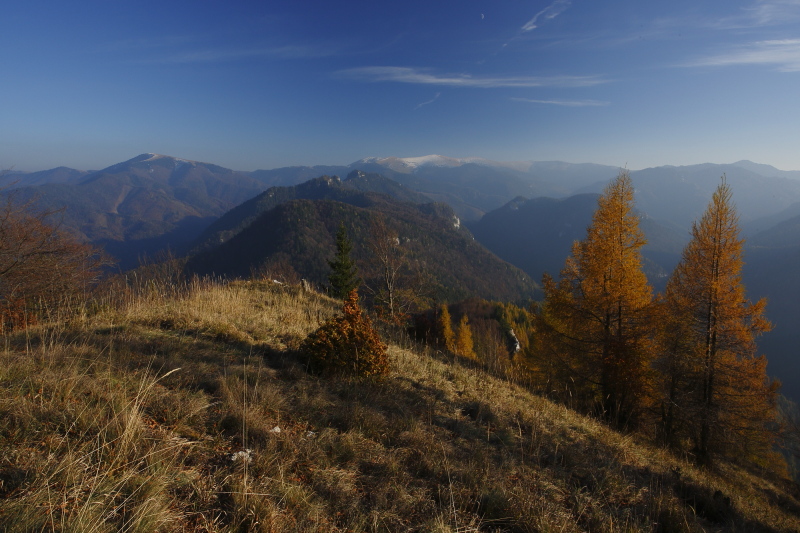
pixel 444 329
pixel 344 277
pixel 594 321
pixel 464 344
pixel 715 389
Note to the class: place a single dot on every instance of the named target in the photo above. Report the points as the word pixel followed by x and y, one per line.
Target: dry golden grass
pixel 191 410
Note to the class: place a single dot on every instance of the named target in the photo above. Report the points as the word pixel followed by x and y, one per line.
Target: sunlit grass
pixel 189 409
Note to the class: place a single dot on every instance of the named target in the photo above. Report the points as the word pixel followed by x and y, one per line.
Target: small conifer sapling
pixel 344 277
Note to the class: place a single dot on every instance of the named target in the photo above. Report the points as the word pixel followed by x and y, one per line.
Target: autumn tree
pixel 593 324
pixel 344 276
pixel 444 329
pixel 464 344
pixel 41 266
pixel 715 390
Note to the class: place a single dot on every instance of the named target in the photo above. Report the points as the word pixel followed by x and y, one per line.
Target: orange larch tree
pixel 594 322
pixel 464 345
pixel 444 329
pixel 715 390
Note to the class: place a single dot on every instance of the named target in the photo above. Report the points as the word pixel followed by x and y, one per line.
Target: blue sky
pixel 251 85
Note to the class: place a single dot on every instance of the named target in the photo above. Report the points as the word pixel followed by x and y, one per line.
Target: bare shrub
pixel 42 268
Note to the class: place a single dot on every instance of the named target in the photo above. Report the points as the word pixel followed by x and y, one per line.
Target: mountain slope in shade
pixel 784 234
pixel 297 236
pixel 751 228
pixel 772 270
pixel 679 195
pixel 350 190
pixel 772 273
pixel 146 204
pixel 537 235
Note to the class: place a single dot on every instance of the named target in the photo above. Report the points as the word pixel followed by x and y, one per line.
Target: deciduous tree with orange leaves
pixel 715 390
pixel 444 329
pixel 594 321
pixel 464 346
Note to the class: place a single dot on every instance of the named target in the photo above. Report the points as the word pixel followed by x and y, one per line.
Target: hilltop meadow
pixel 188 406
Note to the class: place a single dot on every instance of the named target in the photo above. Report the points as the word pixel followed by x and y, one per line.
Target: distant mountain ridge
pixel 767 170
pixel 679 195
pixel 143 205
pixel 17 179
pixel 474 185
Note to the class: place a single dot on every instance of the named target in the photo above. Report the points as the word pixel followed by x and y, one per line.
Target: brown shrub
pixel 347 344
pixel 42 268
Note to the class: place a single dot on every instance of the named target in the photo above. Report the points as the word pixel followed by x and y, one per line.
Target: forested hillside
pixel 294 241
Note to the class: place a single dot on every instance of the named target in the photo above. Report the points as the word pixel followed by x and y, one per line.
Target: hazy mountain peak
pixel 758 168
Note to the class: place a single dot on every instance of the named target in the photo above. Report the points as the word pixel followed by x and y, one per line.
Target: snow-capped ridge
pixel 411 164
pixel 155 157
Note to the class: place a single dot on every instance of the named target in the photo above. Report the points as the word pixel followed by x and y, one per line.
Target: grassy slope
pixel 162 413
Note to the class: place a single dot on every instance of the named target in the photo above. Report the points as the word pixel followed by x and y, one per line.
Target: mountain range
pixel 140 206
pixel 526 213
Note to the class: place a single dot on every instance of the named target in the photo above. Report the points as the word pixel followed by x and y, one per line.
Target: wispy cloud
pixel 548 13
pixel 783 54
pixel 768 12
pixel 426 77
pixel 759 14
pixel 563 103
pixel 432 100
